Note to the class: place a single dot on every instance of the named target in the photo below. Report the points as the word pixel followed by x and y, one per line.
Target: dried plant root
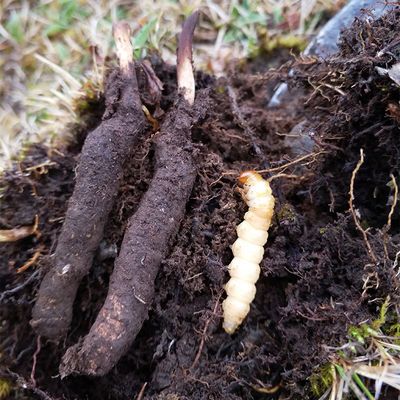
pixel 144 246
pixel 248 249
pixel 98 177
pixel 14 234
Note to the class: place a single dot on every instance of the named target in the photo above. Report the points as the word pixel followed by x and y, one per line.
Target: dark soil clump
pixel 316 264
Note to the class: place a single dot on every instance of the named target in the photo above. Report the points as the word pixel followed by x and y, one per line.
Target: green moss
pixel 289 41
pixel 378 323
pixel 5 388
pixel 287 213
pixel 377 340
pixel 358 333
pixel 365 331
pixel 322 379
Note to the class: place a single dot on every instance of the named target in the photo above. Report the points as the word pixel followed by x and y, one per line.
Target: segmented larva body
pixel 248 249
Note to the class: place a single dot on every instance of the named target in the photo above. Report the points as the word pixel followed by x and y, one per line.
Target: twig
pixel 41 168
pixel 31 261
pixel 21 286
pixel 286 176
pixel 204 333
pixel 14 234
pixel 35 354
pixel 388 225
pixel 141 393
pixel 295 161
pixel 353 212
pixel 396 193
pixel 274 169
pixel 24 384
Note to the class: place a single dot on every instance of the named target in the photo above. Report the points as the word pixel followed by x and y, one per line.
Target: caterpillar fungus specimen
pixel 248 249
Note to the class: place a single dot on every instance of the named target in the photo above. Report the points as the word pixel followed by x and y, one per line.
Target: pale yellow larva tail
pixel 248 249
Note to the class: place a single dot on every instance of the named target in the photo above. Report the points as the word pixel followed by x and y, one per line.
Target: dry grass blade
pixel 378 363
pixel 383 374
pixel 290 163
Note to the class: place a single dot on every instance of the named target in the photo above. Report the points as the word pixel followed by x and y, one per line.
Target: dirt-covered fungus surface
pixel 330 262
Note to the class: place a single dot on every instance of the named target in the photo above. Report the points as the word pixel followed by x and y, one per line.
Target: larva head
pixel 248 178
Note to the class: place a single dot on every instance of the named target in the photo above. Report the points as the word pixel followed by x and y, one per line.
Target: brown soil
pixel 315 264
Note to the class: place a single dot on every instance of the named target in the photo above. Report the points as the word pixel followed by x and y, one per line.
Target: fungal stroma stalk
pixel 248 250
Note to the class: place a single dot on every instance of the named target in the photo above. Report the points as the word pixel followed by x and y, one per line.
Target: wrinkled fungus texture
pixel 98 176
pixel 144 246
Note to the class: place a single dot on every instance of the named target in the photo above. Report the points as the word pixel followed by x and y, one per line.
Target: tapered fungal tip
pixel 122 36
pixel 185 74
pixel 191 21
pixel 247 177
pixel 121 29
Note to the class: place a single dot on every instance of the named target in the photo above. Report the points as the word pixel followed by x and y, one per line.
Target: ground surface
pixel 316 264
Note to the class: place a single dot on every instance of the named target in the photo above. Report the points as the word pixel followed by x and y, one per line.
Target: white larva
pixel 248 249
